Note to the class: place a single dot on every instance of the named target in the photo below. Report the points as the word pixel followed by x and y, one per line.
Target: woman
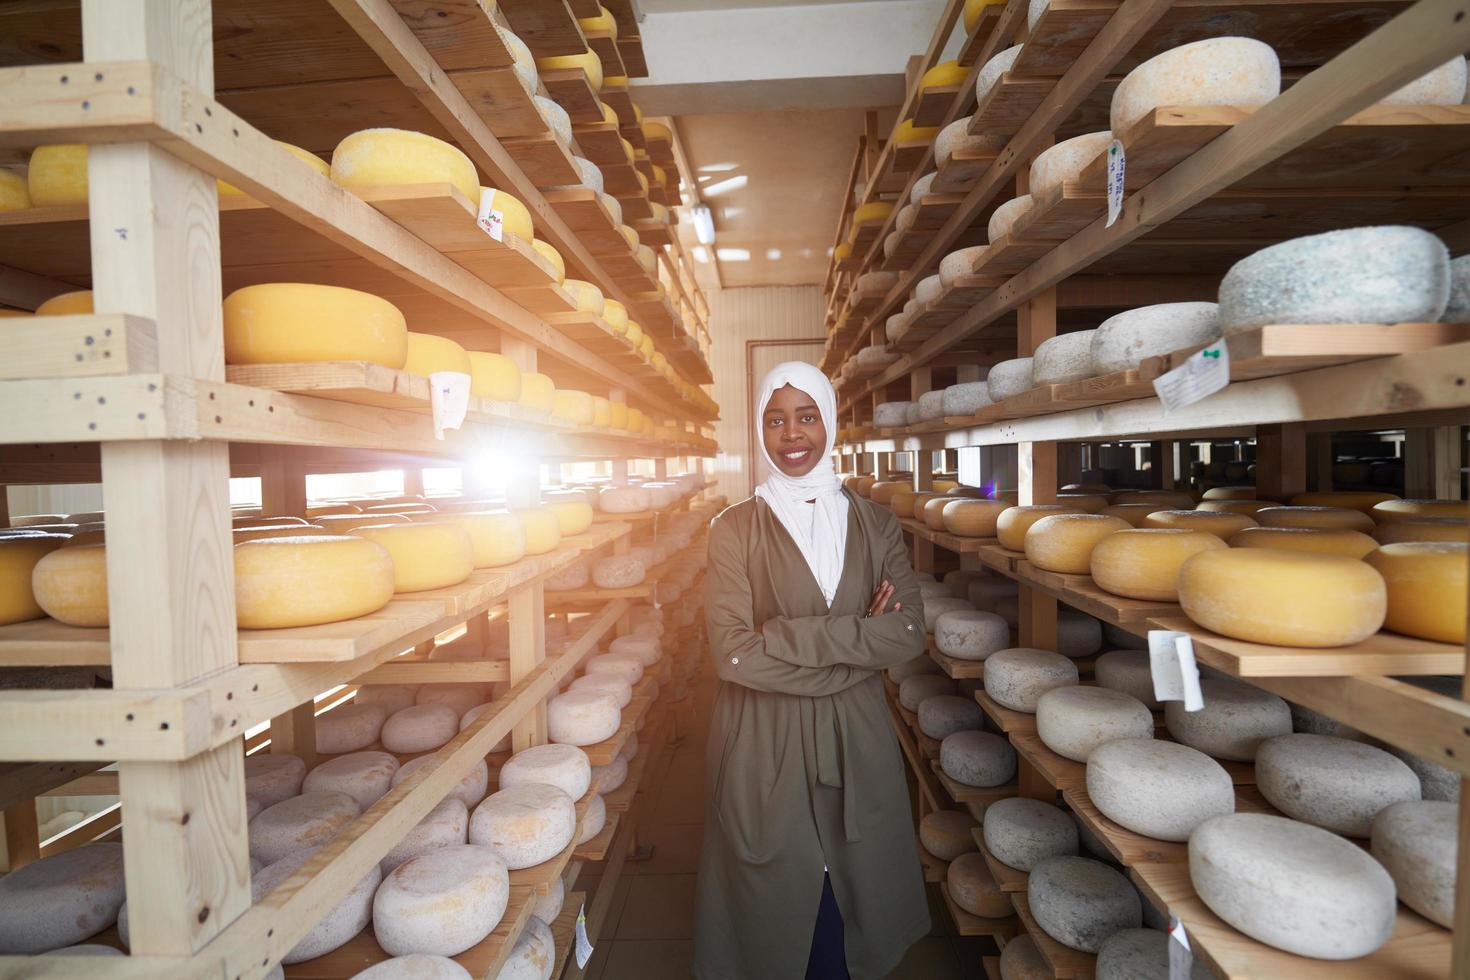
pixel 809 596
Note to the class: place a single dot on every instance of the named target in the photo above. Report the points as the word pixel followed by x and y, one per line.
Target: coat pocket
pixel 721 769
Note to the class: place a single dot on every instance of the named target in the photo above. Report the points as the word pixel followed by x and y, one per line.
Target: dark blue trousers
pixel 828 958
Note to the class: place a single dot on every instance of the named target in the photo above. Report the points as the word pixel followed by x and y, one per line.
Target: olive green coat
pixel 803 765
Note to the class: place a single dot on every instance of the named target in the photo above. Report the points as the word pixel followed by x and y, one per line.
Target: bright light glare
pixel 728 213
pixel 733 254
pixel 773 254
pixel 728 184
pixel 717 168
pixel 700 254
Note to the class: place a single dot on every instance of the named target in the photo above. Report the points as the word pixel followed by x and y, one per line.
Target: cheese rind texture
pixel 1217 71
pixel 1065 161
pixel 1080 902
pixel 1123 341
pixel 1144 563
pixel 380 157
pixel 1416 842
pixel 441 902
pixel 61 899
pixel 425 556
pixel 525 824
pixel 1426 583
pixel 1335 783
pixel 1058 360
pixel 294 322
pixel 1157 788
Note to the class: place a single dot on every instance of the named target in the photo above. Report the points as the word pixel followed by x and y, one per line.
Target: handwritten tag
pixel 490 219
pixel 1181 957
pixel 584 945
pixel 1117 173
pixel 449 399
pixel 1201 375
pixel 1175 674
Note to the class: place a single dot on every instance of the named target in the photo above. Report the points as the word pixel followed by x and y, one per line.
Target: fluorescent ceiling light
pixel 733 254
pixel 728 184
pixel 718 168
pixel 704 224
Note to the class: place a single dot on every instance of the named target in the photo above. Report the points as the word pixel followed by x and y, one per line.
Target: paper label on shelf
pixel 584 945
pixel 1117 174
pixel 1181 957
pixel 1204 373
pixel 1175 673
pixel 449 398
pixel 490 219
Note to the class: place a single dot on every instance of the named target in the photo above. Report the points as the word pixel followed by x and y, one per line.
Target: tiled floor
pixel 651 925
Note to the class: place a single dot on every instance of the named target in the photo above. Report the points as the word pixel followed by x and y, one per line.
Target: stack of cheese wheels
pixel 441 902
pixel 293 322
pixel 1426 588
pixel 1288 598
pixel 425 556
pixel 380 157
pixel 1013 524
pixel 971 517
pixel 525 824
pixel 496 537
pixel 1064 542
pixel 61 899
pixel 18 559
pixel 1144 563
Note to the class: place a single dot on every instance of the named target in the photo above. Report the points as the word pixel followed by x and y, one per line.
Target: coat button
pixel 735 660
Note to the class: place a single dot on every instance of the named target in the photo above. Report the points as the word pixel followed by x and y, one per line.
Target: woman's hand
pixel 881 595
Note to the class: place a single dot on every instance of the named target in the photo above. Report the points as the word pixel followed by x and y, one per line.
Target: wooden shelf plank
pixel 1060 773
pixel 1008 720
pixel 1008 878
pixel 975 41
pixel 596 849
pixel 547 26
pixel 972 796
pixel 1065 963
pixel 969 924
pixel 572 90
pixel 1381 654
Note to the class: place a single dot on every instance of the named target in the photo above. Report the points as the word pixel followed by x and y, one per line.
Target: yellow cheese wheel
pixel 601 412
pixel 494 376
pixel 1286 598
pixel 587 296
pixel 587 61
pixel 548 252
pixel 428 353
pixel 323 510
pixel 543 530
pixel 572 406
pixel 1235 506
pixel 1092 503
pixel 1426 583
pixel 58 175
pixel 572 516
pixel 379 157
pixel 1220 525
pixel 1132 513
pixel 306 581
pixel 70 584
pixel 608 115
pixel 1064 542
pixel 877 211
pixel 882 491
pixel 1327 541
pixel 645 347
pixel 602 23
pixel 15 195
pixel 916 511
pixel 1423 529
pixel 634 334
pixel 515 215
pixel 970 517
pixel 637 114
pixel 618 414
pixel 629 235
pixel 635 420
pixel 627 149
pixel 343 523
pixel 297 322
pixel 226 189
pixel 538 393
pixel 1171 498
pixel 1144 563
pixel 497 537
pixel 973 9
pixel 842 251
pixel 656 131
pixel 1313 516
pixel 18 558
pixel 931 512
pixel 1086 488
pixel 1230 493
pixel 907 132
pixel 902 502
pixel 258 520
pixel 74 303
pixel 944 485
pixel 1364 500
pixel 249 533
pixel 425 556
pixel 1013 523
pixel 944 73
pixel 616 315
pixel 1391 511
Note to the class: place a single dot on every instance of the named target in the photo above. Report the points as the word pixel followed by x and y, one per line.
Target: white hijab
pixel 821 536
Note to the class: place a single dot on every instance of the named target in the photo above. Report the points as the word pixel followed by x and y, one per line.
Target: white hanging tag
pixel 449 398
pixel 491 219
pixel 1181 957
pixel 1172 664
pixel 1201 375
pixel 584 945
pixel 1117 173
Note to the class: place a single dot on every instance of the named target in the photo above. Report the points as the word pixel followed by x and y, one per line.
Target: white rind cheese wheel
pixel 1334 783
pixel 295 322
pixel 563 766
pixel 960 263
pixel 1127 671
pixel 966 398
pixel 307 581
pixel 569 579
pixel 441 902
pixel 1073 721
pixel 643 648
pixel 1426 586
pixel 1122 342
pixel 992 70
pixel 525 824
pixel 946 834
pixel 533 957
pixel 1018 677
pixel 1293 886
pixel 1010 378
pixel 70 585
pixel 1391 274
pixel 349 727
pixel 593 820
pixel 549 906
pixel 382 157
pixel 618 572
pixel 977 758
pixel 1021 832
pixel 1235 720
pixel 623 500
pixel 938 606
pixel 1065 542
pixel 308 820
pixel 1444 85
pixel 611 684
pixel 969 634
pixel 470 789
pixel 344 920
pixel 271 777
pixel 942 716
pixel 1064 358
pixel 625 668
pixel 891 414
pixel 612 776
pixel 1218 71
pixel 928 289
pixel 422 728
pixel 1004 218
pixel 1416 842
pixel 1065 161
pixel 582 717
pixel 1283 597
pixel 555 117
pixel 364 776
pixel 389 697
pixel 1156 788
pixel 1144 563
pixel 414 966
pixel 1080 902
pixel 931 405
pixel 61 899
pixel 922 188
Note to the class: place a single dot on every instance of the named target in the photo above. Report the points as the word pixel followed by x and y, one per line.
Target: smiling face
pixel 793 431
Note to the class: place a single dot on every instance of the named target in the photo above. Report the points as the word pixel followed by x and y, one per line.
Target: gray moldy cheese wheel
pixel 1127 671
pixel 617 572
pixel 271 777
pixel 611 684
pixel 422 728
pixel 1305 720
pixel 442 902
pixel 1010 378
pixel 969 634
pixel 977 758
pixel 1020 832
pixel 945 714
pixel 938 606
pixel 966 398
pixel 1437 782
pixel 891 414
pixel 569 579
pixel 946 833
pixel 1141 954
pixel 1334 783
pixel 1123 341
pixel 1063 358
pixel 563 766
pixel 915 690
pixel 444 826
pixel 525 824
pixel 364 776
pixel 415 966
pixel 1416 842
pixel 1293 886
pixel 1072 721
pixel 389 697
pixel 1018 677
pixel 348 728
pixel 470 789
pixel 61 899
pixel 343 921
pixel 922 664
pixel 1021 960
pixel 974 888
pixel 1156 788
pixel 308 820
pixel 611 776
pixel 1235 720
pixel 1080 902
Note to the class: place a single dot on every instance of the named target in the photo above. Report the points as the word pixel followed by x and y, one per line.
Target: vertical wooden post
pixel 156 253
pixel 1036 475
pixel 413 481
pixel 1320 449
pixel 1281 461
pixel 1432 460
pixel 21 841
pixel 526 608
